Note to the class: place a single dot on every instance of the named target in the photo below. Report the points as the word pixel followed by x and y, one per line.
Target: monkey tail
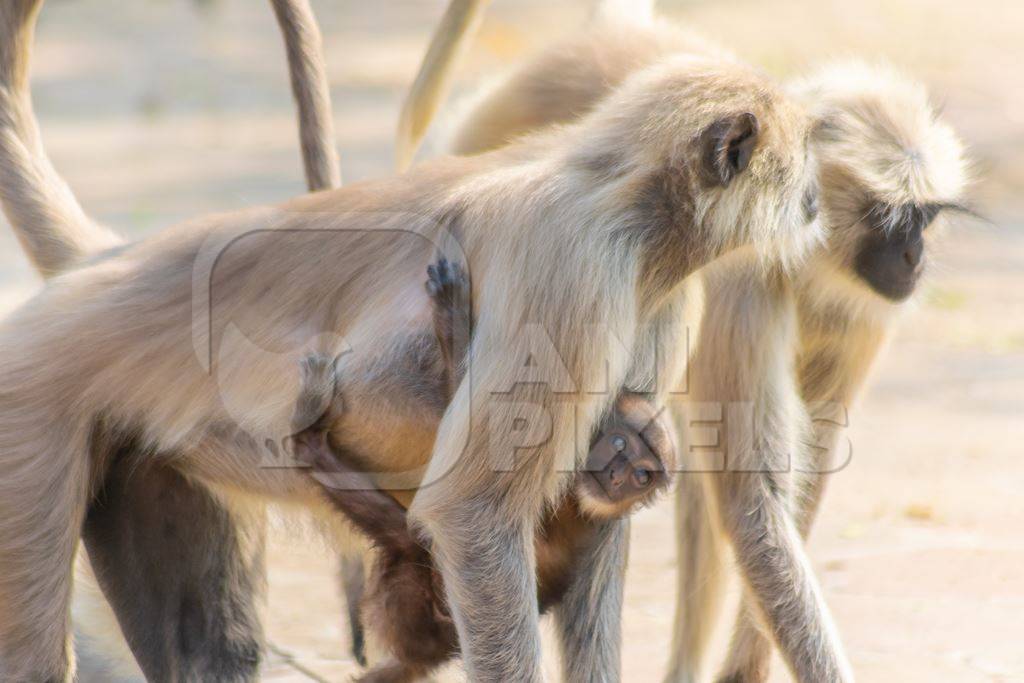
pixel 47 218
pixel 311 90
pixel 451 38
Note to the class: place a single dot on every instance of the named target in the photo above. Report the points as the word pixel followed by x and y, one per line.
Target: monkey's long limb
pixel 754 494
pixel 750 649
pixel 151 545
pixel 700 580
pixel 589 618
pixel 354 494
pixel 121 532
pixel 457 28
pixel 311 91
pixel 51 225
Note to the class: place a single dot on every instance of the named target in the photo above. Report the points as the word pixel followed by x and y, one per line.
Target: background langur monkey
pixel 723 163
pixel 628 464
pixel 795 351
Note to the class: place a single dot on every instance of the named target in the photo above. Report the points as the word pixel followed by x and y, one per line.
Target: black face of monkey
pixel 890 257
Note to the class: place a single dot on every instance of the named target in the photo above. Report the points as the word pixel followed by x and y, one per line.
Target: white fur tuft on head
pixel 880 125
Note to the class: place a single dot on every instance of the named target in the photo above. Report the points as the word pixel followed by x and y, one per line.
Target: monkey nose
pixel 912 254
pixel 616 474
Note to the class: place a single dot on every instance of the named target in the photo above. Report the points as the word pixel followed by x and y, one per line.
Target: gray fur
pixel 311 91
pixel 589 617
pixel 775 347
pixel 331 262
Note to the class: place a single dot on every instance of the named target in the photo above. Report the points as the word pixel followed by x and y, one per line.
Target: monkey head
pixel 629 463
pixel 890 171
pixel 711 156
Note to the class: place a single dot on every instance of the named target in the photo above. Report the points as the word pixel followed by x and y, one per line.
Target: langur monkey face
pixel 630 463
pixel 890 255
pixel 890 170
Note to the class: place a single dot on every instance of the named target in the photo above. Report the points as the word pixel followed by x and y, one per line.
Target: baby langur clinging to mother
pixel 629 462
pixel 586 233
pixel 889 170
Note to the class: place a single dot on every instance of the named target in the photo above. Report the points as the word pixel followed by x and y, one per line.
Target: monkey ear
pixel 726 146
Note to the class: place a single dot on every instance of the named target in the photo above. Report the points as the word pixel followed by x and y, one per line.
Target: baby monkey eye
pixel 642 477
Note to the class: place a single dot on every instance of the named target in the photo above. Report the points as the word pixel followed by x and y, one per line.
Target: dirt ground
pixel 160 111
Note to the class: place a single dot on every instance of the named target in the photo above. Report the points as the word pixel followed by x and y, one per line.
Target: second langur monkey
pixel 112 356
pixel 629 462
pixel 794 351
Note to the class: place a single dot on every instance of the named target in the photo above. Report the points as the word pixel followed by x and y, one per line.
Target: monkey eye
pixel 642 477
pixel 926 214
pixel 902 219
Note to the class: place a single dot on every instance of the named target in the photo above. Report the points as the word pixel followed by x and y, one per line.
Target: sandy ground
pixel 160 111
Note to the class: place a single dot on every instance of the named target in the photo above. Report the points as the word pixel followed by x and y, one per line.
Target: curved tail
pixel 311 90
pixel 51 225
pixel 457 28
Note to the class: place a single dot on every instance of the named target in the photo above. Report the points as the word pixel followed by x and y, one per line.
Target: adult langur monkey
pixel 155 538
pixel 577 242
pixel 796 352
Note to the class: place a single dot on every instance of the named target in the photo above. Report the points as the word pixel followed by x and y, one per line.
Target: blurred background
pixel 159 110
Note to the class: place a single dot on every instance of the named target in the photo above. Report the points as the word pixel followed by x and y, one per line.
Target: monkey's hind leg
pixel 701 581
pixel 44 483
pixel 183 574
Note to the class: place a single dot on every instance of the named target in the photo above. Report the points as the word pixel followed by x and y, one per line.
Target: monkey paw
pixel 447 284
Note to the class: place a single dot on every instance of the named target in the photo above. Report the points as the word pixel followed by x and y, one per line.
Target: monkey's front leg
pixel 770 556
pixel 589 616
pixel 486 558
pixel 750 649
pixel 480 511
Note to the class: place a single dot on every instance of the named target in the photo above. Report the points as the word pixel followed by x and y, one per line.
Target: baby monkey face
pixel 629 463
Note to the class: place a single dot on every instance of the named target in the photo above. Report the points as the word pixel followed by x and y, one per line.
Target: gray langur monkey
pixel 585 234
pixel 781 359
pixel 154 537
